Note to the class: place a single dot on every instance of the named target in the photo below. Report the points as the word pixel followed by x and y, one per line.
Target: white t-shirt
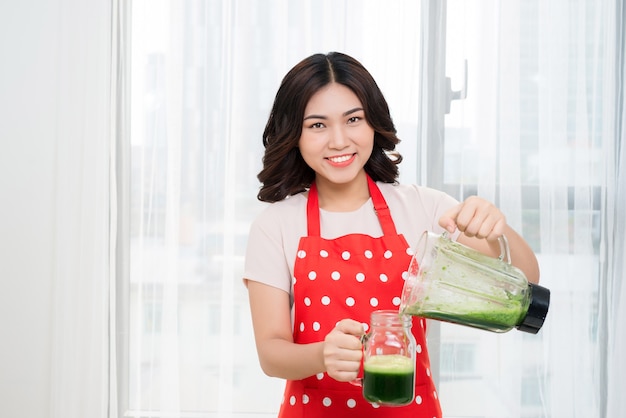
pixel 275 234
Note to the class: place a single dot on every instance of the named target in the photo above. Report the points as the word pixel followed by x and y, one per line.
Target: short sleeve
pixel 273 243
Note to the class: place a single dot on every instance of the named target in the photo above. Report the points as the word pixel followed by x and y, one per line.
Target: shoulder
pixel 280 222
pixel 283 212
pixel 403 194
pixel 273 242
pixel 416 209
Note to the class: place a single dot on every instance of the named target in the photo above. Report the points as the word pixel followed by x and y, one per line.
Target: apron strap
pixel 313 212
pixel 380 207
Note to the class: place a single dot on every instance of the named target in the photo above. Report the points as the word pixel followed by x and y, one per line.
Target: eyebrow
pixel 346 113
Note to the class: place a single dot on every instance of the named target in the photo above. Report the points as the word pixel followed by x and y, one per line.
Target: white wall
pixel 28 94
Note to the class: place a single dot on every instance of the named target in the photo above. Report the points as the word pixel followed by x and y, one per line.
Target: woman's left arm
pixel 481 223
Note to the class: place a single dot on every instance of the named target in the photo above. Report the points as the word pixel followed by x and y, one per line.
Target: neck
pixel 344 197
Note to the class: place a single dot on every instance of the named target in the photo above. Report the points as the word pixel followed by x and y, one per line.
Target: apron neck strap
pixel 313 212
pixel 380 207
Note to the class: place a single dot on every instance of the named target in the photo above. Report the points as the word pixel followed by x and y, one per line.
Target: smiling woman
pixel 318 348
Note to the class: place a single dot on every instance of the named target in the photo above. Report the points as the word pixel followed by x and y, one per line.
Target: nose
pixel 338 138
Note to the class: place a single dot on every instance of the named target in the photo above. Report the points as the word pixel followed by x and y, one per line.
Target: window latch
pixel 456 94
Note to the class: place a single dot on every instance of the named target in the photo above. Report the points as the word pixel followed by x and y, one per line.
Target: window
pixel 528 136
pixel 204 75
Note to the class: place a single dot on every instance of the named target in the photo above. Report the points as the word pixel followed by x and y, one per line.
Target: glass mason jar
pixel 389 359
pixel 451 282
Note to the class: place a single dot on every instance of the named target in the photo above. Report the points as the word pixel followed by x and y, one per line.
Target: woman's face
pixel 336 140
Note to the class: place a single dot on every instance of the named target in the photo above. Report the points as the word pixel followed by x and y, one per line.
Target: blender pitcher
pixel 451 282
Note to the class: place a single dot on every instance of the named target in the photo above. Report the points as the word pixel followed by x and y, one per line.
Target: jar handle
pixel 505 253
pixel 358 381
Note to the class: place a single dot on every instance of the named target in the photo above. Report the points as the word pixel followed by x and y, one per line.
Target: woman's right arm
pixel 339 354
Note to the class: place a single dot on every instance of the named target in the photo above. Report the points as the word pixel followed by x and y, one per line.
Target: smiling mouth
pixel 340 159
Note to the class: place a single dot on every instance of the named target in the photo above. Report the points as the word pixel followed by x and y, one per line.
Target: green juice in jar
pixel 389 379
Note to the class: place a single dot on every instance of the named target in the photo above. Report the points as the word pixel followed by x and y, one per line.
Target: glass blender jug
pixel 451 282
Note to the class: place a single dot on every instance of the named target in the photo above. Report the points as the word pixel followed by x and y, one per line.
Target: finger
pixel 491 227
pixel 350 327
pixel 497 230
pixel 448 219
pixel 482 220
pixel 334 355
pixel 483 229
pixel 336 340
pixel 347 342
pixel 343 376
pixel 467 221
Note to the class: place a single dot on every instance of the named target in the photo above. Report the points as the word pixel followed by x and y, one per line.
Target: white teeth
pixel 340 159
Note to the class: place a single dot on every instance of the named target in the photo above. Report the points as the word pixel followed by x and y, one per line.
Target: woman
pixel 333 245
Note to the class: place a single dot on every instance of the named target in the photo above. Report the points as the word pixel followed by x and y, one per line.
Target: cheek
pixel 367 140
pixel 367 146
pixel 307 149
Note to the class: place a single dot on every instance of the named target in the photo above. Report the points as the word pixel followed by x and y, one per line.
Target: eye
pixel 316 125
pixel 354 119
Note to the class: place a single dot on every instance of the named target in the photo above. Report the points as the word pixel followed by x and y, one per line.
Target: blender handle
pixel 505 253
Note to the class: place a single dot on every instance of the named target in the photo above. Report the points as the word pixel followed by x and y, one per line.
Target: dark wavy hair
pixel 285 172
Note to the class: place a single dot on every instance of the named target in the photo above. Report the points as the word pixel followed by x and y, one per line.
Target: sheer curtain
pixel 204 75
pixel 613 305
pixel 82 355
pixel 537 135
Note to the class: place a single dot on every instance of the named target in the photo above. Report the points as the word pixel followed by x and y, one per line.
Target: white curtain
pixel 537 135
pixel 613 304
pixel 81 352
pixel 204 76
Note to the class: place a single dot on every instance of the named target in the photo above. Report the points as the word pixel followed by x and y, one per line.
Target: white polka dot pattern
pixel 348 277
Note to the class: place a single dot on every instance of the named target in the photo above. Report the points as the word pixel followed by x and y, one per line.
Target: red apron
pixel 349 277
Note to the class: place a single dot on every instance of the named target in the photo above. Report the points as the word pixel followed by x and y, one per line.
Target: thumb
pixel 448 219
